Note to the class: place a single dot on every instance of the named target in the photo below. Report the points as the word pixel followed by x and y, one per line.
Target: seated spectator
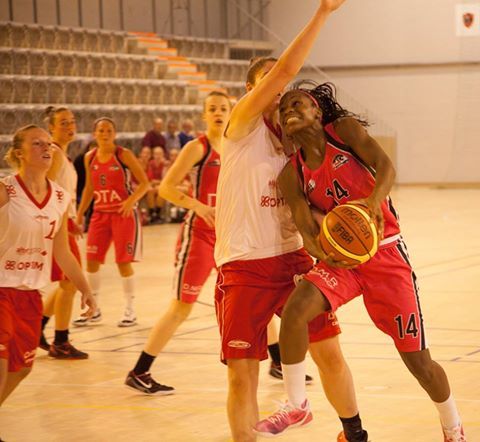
pixel 144 157
pixel 154 136
pixel 155 172
pixel 187 134
pixel 171 137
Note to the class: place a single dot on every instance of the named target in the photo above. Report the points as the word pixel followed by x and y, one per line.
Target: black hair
pixel 324 95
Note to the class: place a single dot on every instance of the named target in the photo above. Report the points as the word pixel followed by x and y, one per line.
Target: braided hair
pixel 324 96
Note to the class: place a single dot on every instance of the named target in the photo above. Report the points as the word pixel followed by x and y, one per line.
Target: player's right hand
pixel 331 5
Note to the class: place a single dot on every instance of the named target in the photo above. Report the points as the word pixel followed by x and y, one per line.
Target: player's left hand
pixel 375 209
pixel 77 230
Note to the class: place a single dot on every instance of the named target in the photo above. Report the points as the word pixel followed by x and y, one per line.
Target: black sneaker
pixel 276 372
pixel 43 344
pixel 144 383
pixel 66 351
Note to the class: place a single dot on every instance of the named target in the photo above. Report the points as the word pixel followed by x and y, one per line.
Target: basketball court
pixel 86 400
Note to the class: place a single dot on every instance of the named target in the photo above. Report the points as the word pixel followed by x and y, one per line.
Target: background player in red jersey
pixel 34 227
pixel 62 127
pixel 115 217
pixel 194 254
pixel 338 161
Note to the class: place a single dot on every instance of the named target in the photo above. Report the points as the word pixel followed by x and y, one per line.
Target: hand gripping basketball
pixel 349 234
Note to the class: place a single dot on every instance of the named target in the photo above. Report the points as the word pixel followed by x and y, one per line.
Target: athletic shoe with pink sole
pixel 287 417
pixel 455 434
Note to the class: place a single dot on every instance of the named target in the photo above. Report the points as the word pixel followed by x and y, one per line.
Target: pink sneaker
pixel 455 434
pixel 283 419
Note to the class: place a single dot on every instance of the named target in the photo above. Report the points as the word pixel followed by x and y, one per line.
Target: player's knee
pixel 68 288
pixel 239 382
pixel 305 304
pixel 422 368
pixel 181 310
pixel 329 361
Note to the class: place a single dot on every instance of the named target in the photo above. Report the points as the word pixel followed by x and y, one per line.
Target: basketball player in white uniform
pixel 62 127
pixel 34 229
pixel 258 250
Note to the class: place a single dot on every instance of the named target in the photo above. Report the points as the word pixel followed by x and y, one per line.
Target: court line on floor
pixel 450 261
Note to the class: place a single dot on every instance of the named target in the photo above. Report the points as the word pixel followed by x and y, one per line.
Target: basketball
pixel 349 233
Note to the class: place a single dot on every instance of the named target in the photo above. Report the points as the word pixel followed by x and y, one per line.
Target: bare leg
pixel 242 404
pixel 166 326
pixel 125 269
pixel 428 373
pixel 272 332
pixel 304 304
pixel 49 303
pixel 93 266
pixel 336 376
pixel 10 380
pixel 64 304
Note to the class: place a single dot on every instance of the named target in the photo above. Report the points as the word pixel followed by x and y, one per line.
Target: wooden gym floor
pixel 87 401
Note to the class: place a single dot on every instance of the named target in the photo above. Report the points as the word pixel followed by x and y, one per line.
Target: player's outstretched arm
pixel 253 104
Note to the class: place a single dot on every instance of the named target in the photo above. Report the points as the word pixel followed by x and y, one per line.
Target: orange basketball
pixel 349 233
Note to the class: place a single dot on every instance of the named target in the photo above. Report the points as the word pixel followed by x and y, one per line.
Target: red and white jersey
pixel 111 181
pixel 252 218
pixel 26 236
pixel 204 179
pixel 342 177
pixel 67 178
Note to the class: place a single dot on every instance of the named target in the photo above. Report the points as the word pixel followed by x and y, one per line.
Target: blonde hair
pixel 18 139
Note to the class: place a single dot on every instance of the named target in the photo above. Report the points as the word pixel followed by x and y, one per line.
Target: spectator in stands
pixel 187 134
pixel 155 172
pixel 154 136
pixel 172 141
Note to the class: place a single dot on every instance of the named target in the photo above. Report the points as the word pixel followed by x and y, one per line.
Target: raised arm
pixel 253 104
pixel 191 154
pixel 372 154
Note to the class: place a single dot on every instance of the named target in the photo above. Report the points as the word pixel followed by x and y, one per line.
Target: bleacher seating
pixel 131 77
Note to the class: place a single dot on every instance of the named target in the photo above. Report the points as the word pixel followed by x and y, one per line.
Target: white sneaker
pixel 455 434
pixel 128 319
pixel 81 321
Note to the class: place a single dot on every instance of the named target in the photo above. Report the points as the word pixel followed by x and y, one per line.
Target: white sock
pixel 449 416
pixel 294 381
pixel 128 283
pixel 94 281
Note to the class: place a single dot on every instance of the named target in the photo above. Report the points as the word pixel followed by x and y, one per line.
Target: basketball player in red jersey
pixel 62 127
pixel 259 251
pixel 339 162
pixel 115 217
pixel 194 255
pixel 33 216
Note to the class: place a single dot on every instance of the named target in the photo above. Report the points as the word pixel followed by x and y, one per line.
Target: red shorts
pixel 20 323
pixel 193 262
pixel 57 272
pixel 125 232
pixel 249 293
pixel 389 289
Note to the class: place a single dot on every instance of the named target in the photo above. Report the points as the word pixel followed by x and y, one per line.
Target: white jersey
pixel 252 218
pixel 67 178
pixel 27 232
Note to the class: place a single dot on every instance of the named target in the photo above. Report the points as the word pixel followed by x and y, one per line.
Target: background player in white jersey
pixel 34 228
pixel 62 127
pixel 115 217
pixel 259 251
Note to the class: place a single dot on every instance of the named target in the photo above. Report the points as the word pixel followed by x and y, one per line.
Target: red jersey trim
pixel 41 204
